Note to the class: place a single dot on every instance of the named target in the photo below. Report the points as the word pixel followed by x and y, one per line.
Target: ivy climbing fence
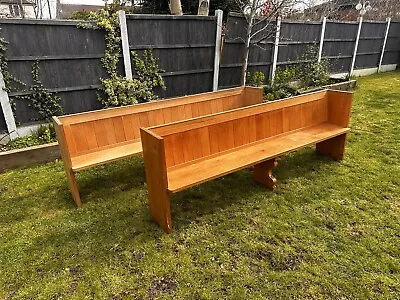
pixel 196 54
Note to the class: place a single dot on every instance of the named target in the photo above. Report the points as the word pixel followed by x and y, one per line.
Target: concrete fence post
pixel 356 46
pixel 276 48
pixel 321 41
pixel 7 111
pixel 384 44
pixel 217 54
pixel 125 44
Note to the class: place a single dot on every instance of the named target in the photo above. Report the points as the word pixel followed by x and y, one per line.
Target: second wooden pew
pixel 98 137
pixel 183 154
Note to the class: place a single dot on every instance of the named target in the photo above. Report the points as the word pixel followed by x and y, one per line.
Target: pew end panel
pixel 156 178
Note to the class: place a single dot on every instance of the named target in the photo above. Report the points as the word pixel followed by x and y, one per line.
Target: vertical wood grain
pixel 89 132
pixel 225 136
pixel 241 131
pixel 128 127
pixel 79 138
pixel 119 129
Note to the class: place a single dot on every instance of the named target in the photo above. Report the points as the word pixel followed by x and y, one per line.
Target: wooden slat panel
pixel 205 108
pixel 228 103
pixel 177 144
pixel 181 113
pixel 220 104
pixel 188 111
pixel 109 130
pixel 204 140
pixel 294 115
pixel 175 114
pixel 276 122
pixel 252 129
pixel 135 125
pixel 100 131
pixel 241 131
pixel 195 109
pixel 213 134
pixel 169 151
pixel 89 132
pixel 167 113
pixel 225 136
pixel 137 108
pixel 128 127
pixel 307 114
pixel 79 138
pixel 214 106
pixel 119 129
pixel 262 125
pixel 195 143
pixel 320 111
pixel 189 142
pixel 143 119
pixel 237 101
pixel 237 113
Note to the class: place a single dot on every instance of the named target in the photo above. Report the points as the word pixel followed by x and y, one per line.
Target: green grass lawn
pixel 330 230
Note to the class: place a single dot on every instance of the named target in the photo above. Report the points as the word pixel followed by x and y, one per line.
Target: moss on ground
pixel 330 230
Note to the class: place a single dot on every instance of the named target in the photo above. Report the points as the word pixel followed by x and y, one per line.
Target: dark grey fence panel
pixel 260 54
pixel 370 45
pixel 392 49
pixel 185 48
pixel 296 38
pixel 69 61
pixel 339 44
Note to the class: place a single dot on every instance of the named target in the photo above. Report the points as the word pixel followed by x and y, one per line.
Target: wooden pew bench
pixel 184 154
pixel 98 137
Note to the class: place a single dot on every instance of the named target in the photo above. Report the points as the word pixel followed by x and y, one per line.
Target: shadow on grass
pixel 234 189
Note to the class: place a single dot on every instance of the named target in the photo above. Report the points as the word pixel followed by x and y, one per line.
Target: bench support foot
pixel 333 147
pixel 160 209
pixel 73 187
pixel 262 173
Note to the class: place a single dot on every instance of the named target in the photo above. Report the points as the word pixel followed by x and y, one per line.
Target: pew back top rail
pixel 183 154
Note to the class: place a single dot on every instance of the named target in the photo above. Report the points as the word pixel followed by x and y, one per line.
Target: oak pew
pixel 184 154
pixel 98 137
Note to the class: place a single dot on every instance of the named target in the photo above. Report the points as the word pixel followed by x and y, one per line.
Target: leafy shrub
pixel 258 79
pixel 46 103
pixel 79 15
pixel 282 85
pixel 120 91
pixel 310 72
pixel 116 90
pixel 44 135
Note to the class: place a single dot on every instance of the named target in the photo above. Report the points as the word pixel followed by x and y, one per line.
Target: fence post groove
pixel 321 41
pixel 356 46
pixel 125 44
pixel 7 111
pixel 384 43
pixel 217 55
pixel 276 48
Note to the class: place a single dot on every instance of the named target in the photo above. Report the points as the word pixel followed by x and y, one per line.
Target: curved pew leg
pixel 262 173
pixel 73 187
pixel 333 147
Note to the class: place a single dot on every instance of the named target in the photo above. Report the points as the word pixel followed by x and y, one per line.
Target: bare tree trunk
pixel 175 7
pixel 250 23
pixel 245 62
